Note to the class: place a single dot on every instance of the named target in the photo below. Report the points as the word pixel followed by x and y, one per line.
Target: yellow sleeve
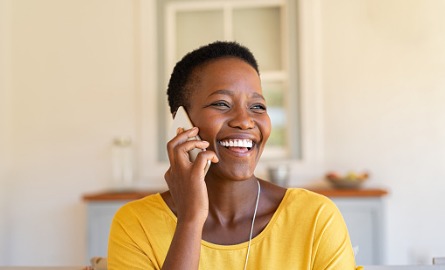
pixel 140 235
pixel 124 244
pixel 332 245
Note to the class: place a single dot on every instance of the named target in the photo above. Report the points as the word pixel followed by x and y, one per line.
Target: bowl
pixel 351 180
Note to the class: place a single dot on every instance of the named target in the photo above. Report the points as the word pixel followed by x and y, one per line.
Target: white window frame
pixel 282 75
pixel 151 170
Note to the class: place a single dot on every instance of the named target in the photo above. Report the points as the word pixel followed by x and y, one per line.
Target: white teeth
pixel 237 143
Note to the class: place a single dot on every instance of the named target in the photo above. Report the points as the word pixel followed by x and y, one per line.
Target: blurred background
pixel 359 84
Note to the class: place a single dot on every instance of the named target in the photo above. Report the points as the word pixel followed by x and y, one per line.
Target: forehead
pixel 228 73
pixel 222 62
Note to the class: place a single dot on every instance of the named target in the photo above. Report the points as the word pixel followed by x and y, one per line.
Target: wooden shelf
pixel 360 193
pixel 127 195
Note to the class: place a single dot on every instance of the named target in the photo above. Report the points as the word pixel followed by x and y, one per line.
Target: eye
pixel 220 104
pixel 260 108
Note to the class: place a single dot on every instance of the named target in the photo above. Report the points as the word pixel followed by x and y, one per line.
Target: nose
pixel 241 119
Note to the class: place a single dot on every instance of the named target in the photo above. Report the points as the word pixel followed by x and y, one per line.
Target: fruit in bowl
pixel 349 180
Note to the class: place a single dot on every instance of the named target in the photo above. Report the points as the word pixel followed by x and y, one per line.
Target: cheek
pixel 265 127
pixel 209 128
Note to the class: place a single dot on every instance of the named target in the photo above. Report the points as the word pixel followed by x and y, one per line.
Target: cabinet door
pixel 364 218
pixel 100 215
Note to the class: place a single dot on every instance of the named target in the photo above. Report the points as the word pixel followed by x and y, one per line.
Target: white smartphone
pixel 182 120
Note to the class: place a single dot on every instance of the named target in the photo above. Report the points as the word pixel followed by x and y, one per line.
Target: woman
pixel 227 218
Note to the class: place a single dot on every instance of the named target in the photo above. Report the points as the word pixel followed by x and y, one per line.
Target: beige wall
pixel 5 120
pixel 384 96
pixel 73 88
pixel 81 72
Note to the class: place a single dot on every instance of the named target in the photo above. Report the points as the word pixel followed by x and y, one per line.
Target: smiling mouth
pixel 237 143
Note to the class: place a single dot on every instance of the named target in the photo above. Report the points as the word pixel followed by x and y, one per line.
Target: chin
pixel 240 172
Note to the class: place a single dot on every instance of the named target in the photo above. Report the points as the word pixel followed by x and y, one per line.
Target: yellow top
pixel 306 232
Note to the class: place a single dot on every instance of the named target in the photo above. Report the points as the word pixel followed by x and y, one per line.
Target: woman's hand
pixel 185 179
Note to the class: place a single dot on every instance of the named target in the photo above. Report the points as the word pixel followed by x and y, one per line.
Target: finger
pixel 181 137
pixel 208 156
pixel 181 153
pixel 202 160
pixel 179 130
pixel 186 134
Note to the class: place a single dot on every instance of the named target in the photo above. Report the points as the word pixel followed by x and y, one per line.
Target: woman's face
pixel 227 105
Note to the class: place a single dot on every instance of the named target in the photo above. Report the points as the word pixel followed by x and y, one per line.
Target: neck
pixel 230 201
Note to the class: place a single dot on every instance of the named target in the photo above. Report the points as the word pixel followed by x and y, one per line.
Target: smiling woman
pixel 226 218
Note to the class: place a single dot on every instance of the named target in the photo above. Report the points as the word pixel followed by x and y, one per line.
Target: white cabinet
pixel 365 220
pixel 99 215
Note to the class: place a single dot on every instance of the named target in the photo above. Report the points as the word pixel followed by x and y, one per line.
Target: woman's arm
pixel 187 187
pixel 184 251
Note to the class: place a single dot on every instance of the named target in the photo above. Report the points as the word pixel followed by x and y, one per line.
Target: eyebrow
pixel 230 93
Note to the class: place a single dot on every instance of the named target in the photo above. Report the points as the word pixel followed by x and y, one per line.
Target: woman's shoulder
pixel 304 194
pixel 149 206
pixel 305 208
pixel 304 198
pixel 295 199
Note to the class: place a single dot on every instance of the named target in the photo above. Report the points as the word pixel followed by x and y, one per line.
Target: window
pixel 265 28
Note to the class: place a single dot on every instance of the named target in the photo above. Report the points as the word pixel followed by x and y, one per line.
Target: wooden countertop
pixel 127 195
pixel 329 192
pixel 361 192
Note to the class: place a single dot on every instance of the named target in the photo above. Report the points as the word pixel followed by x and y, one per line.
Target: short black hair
pixel 179 89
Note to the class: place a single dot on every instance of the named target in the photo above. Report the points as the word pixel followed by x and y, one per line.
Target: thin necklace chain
pixel 253 223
